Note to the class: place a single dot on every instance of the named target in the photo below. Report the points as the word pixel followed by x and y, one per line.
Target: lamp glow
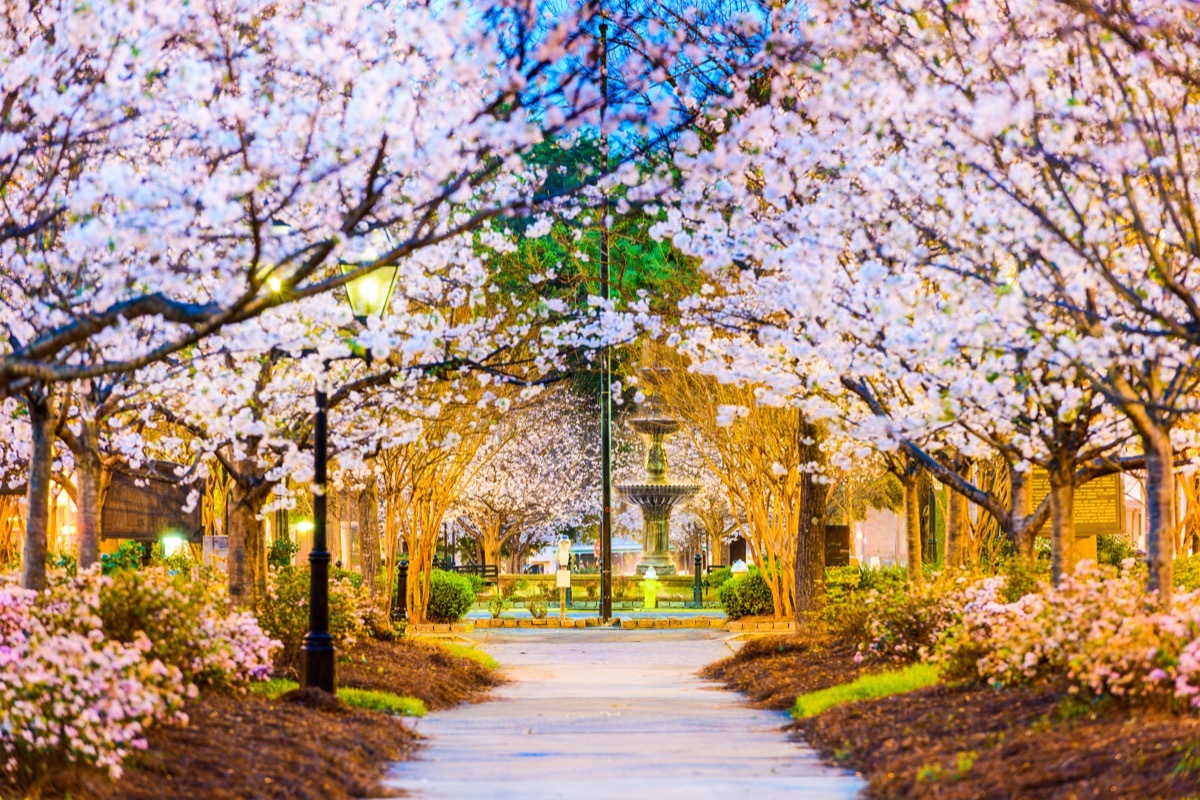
pixel 370 292
pixel 173 544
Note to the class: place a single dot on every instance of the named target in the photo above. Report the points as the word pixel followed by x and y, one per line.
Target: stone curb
pixel 439 627
pixel 781 626
pixel 595 622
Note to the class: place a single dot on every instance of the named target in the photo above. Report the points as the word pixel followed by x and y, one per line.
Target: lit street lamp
pixel 369 296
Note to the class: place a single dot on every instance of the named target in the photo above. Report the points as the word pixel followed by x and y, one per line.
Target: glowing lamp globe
pixel 371 292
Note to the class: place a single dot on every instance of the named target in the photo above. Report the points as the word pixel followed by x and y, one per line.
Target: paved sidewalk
pixel 613 714
pixel 586 613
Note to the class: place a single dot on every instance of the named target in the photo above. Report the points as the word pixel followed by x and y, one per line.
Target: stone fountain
pixel 656 496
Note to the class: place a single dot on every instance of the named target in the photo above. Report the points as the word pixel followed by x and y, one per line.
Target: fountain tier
pixel 655 496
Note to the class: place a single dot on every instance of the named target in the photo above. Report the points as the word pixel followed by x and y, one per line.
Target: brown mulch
pixel 984 744
pixel 955 742
pixel 773 670
pixel 415 669
pixel 306 744
pixel 246 747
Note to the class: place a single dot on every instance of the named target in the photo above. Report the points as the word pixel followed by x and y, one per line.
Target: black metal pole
pixel 697 588
pixel 933 548
pixel 317 661
pixel 401 607
pixel 605 365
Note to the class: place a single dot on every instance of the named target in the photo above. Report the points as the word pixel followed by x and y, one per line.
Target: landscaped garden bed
pixel 248 746
pixel 148 684
pixel 1085 690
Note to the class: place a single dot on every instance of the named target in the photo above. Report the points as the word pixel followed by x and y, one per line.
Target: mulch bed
pixel 960 742
pixel 241 746
pixel 416 669
pixel 773 670
pixel 946 742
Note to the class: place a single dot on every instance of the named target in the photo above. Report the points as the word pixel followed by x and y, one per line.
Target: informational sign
pixel 1099 503
pixel 563 579
pixel 149 505
pixel 837 545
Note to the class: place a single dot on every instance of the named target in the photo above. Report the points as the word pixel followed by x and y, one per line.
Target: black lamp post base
pixel 318 663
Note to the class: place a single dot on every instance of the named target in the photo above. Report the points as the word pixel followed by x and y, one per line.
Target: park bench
pixel 489 572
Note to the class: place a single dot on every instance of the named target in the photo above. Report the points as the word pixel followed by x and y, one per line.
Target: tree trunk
pixel 41 423
pixel 912 527
pixel 90 468
pixel 490 540
pixel 491 551
pixel 1160 538
pixel 1020 531
pixel 391 546
pixel 1062 524
pixel 927 510
pixel 958 524
pixel 368 537
pixel 808 564
pixel 247 541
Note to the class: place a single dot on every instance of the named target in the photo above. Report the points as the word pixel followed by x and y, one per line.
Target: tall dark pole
pixel 605 365
pixel 933 548
pixel 316 654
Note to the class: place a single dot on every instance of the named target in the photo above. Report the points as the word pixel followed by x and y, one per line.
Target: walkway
pixel 613 714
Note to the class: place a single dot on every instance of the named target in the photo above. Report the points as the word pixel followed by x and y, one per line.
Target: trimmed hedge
pixel 450 596
pixel 746 596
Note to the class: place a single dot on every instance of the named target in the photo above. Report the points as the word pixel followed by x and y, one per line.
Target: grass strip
pixel 473 653
pixel 865 687
pixel 369 699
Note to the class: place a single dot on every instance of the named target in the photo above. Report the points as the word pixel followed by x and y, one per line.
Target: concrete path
pixel 612 714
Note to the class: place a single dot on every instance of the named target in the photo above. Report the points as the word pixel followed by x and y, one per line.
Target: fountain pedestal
pixel 656 496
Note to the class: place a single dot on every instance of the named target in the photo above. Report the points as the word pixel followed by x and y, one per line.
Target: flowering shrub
pixel 188 624
pixel 904 626
pixel 283 612
pixel 1187 573
pixel 67 694
pixel 90 662
pixel 71 698
pixel 15 604
pixel 845 613
pixel 1096 633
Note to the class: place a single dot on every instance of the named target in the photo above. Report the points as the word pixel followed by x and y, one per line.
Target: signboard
pixel 1099 503
pixel 148 505
pixel 837 545
pixel 563 579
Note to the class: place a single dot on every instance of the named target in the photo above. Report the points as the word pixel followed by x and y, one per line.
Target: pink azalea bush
pixel 67 693
pixel 190 625
pixel 1097 633
pixel 92 661
pixel 905 624
pixel 284 611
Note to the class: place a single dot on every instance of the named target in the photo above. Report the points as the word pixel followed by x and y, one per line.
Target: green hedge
pixel 450 596
pixel 746 596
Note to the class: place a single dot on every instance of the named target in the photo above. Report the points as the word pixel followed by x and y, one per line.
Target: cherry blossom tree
pixel 940 240
pixel 150 153
pixel 534 476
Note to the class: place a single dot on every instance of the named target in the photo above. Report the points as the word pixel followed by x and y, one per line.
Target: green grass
pixel 880 684
pixel 355 698
pixel 382 701
pixel 473 653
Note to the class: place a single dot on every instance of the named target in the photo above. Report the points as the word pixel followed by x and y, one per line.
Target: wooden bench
pixel 489 572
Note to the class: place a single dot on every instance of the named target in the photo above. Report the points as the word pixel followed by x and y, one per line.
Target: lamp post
pixel 605 366
pixel 369 294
